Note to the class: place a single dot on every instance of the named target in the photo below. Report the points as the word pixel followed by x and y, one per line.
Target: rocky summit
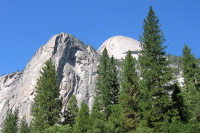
pixel 118 46
pixel 76 65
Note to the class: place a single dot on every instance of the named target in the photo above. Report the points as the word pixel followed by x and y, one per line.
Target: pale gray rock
pixel 8 85
pixel 118 46
pixel 76 65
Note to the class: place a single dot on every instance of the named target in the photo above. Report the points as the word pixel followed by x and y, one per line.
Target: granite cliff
pixel 76 65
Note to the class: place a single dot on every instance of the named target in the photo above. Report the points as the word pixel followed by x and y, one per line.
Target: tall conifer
pixel 129 94
pixel 190 69
pixel 103 79
pixel 155 74
pixel 191 80
pixel 106 94
pixel 47 106
pixel 114 82
pixel 107 83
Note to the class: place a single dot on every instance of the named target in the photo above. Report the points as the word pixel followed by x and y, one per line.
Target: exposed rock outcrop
pixel 118 46
pixel 76 65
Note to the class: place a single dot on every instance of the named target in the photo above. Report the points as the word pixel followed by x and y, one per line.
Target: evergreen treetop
pixel 103 78
pixel 192 89
pixel 190 67
pixel 129 94
pixel 47 106
pixel 107 83
pixel 155 74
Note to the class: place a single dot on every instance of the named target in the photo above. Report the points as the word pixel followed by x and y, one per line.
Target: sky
pixel 26 25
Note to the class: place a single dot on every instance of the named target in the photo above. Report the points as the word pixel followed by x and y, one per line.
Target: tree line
pixel 143 97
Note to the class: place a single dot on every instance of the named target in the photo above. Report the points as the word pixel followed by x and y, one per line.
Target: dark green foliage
pixel 191 79
pixel 143 127
pixel 103 78
pixel 98 122
pixel 71 112
pixel 102 99
pixel 82 120
pixel 97 117
pixel 178 127
pixel 190 68
pixel 114 82
pixel 107 83
pixel 59 129
pixel 155 102
pixel 47 106
pixel 114 120
pixel 107 94
pixel 24 128
pixel 10 123
pixel 179 104
pixel 129 94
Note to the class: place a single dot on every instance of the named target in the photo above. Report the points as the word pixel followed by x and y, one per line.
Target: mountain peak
pixel 118 46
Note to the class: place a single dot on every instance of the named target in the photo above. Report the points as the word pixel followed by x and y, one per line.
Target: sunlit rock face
pixel 75 63
pixel 118 46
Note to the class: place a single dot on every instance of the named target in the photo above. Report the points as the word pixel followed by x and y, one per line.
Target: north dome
pixel 118 46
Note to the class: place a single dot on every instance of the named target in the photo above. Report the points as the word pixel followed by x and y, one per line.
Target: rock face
pixel 118 46
pixel 76 65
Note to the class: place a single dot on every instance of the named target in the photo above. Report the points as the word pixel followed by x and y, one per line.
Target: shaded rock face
pixel 76 65
pixel 118 46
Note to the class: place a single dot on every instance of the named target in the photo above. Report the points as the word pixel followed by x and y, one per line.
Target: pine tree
pixel 114 81
pixel 103 79
pixel 107 83
pixel 190 68
pixel 71 112
pixel 106 94
pixel 129 94
pixel 23 128
pixel 155 73
pixel 10 123
pixel 82 120
pixel 180 104
pixel 191 80
pixel 47 106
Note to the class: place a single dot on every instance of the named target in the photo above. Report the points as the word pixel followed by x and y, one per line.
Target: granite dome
pixel 118 46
